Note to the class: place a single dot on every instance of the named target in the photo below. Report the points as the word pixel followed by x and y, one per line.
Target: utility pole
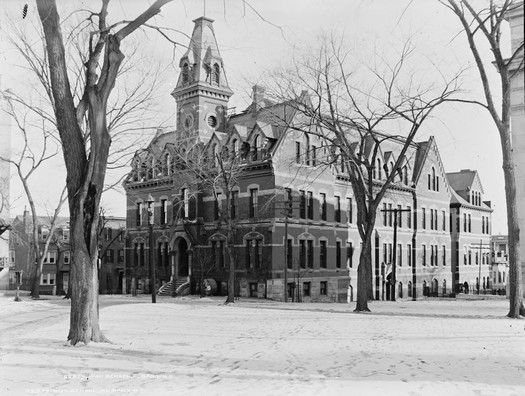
pixel 151 220
pixel 395 211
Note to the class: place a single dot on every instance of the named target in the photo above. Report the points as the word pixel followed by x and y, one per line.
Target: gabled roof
pixel 462 180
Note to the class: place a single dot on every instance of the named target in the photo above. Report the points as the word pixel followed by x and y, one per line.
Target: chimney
pixel 258 97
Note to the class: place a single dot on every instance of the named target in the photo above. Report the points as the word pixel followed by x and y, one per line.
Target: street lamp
pixel 151 220
pixel 395 211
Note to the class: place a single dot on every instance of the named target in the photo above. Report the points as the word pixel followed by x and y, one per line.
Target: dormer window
pixel 235 147
pixel 216 74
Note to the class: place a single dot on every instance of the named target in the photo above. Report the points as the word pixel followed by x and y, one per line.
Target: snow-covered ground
pixel 194 346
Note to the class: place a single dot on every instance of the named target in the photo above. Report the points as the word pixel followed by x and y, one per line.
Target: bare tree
pixel 350 112
pixel 33 157
pixel 485 23
pixel 217 173
pixel 85 158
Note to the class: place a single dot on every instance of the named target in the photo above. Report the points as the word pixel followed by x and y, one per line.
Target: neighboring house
pixel 499 263
pixel 56 268
pixel 55 271
pixel 517 115
pixel 112 259
pixel 279 165
pixel 471 231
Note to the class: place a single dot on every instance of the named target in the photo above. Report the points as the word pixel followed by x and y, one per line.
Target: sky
pixel 258 36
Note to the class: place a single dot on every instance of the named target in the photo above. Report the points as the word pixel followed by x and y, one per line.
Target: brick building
pixel 280 165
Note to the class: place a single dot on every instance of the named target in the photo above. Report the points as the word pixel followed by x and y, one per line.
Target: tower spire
pixel 202 91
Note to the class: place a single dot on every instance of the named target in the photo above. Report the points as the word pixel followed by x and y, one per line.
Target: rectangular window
pixel 121 235
pixel 289 254
pixel 464 222
pixel 302 205
pixel 424 254
pixel 139 214
pixel 233 206
pixel 302 253
pixel 390 214
pixel 214 253
pixel 221 255
pixel 482 224
pixel 444 256
pixel 322 254
pixel 444 223
pixel 314 156
pixel 338 254
pixel 288 202
pixel 322 207
pixel 349 211
pixel 247 253
pixel 67 257
pixel 349 254
pixel 385 253
pixel 399 254
pixel 298 152
pixel 423 218
pixel 487 229
pixel 109 255
pixel 435 219
pixel 306 289
pixel 142 252
pixel 469 224
pixel 323 288
pixel 431 219
pixel 121 255
pixel 218 202
pixel 384 214
pixel 185 208
pixel 310 253
pixel 163 211
pixel 337 209
pixel 399 217
pixel 409 217
pixel 409 254
pixel 310 205
pixel 390 253
pixel 254 204
pixel 65 234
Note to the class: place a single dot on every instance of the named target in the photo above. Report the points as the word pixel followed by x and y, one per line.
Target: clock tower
pixel 202 90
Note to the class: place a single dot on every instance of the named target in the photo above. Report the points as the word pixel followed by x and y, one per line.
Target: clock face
pixel 188 121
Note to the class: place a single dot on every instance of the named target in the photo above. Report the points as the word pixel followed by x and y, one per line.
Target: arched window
pixel 216 74
pixel 185 74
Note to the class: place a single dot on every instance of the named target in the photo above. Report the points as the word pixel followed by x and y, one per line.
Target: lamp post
pixel 395 211
pixel 151 219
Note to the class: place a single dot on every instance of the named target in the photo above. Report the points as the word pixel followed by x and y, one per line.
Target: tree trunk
pixel 84 325
pixel 35 281
pixel 229 248
pixel 515 276
pixel 364 276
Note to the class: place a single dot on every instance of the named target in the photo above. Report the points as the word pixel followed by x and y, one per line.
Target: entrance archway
pixel 182 258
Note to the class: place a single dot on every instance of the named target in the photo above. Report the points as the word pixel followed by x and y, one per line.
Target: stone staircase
pixel 171 286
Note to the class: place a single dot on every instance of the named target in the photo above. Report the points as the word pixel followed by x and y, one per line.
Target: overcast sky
pixel 251 46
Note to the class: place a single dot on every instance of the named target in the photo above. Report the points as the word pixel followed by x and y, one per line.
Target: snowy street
pixel 193 346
